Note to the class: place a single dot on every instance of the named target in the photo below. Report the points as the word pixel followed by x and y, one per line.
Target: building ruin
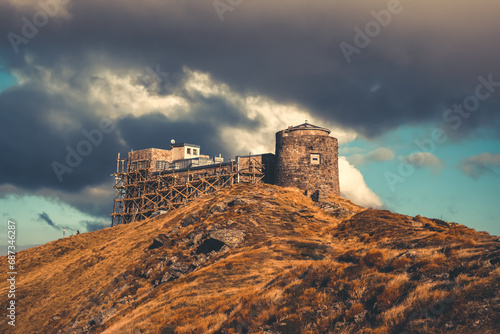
pixel 153 181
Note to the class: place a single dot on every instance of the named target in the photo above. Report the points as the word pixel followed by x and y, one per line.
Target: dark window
pixel 315 159
pixel 188 151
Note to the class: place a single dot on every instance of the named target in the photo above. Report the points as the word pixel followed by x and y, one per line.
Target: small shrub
pixel 393 291
pixel 349 256
pixel 364 237
pixel 354 311
pixel 401 263
pixel 374 257
pixel 430 268
pixel 381 330
pixel 168 329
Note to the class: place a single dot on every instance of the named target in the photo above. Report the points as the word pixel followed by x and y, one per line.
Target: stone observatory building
pixel 153 181
pixel 307 158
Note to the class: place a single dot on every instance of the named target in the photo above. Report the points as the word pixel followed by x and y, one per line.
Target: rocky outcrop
pixel 263 259
pixel 200 245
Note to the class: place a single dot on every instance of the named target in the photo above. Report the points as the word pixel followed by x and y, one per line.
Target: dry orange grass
pixel 299 269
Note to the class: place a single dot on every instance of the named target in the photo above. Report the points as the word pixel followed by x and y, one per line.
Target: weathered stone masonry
pixel 307 158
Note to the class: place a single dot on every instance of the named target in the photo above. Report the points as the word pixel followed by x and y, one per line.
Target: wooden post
pixel 232 171
pixel 118 163
pixel 238 170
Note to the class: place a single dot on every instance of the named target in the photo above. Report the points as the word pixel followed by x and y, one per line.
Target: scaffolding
pixel 120 185
pixel 139 193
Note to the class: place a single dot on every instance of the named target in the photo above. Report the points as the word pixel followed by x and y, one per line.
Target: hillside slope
pixel 262 259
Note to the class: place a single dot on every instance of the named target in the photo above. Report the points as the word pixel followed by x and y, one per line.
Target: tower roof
pixel 307 126
pixel 184 144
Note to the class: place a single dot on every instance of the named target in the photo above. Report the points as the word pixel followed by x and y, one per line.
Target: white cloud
pixel 379 154
pixel 479 165
pixel 277 117
pixel 353 186
pixel 424 159
pixel 135 91
pixel 127 97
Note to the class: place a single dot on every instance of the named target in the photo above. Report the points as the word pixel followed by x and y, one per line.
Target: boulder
pixel 157 243
pixel 230 237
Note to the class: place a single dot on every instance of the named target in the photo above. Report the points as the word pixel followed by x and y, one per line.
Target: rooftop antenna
pixel 172 142
pixel 306 120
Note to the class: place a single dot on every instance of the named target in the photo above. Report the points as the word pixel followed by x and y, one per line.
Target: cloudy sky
pixel 410 88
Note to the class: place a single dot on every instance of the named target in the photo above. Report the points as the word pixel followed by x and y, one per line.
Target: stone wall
pixel 262 162
pixel 181 152
pixel 150 155
pixel 294 167
pixel 305 132
pixel 178 153
pixel 291 167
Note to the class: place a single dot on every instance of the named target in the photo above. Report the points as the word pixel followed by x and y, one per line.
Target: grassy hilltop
pixel 262 259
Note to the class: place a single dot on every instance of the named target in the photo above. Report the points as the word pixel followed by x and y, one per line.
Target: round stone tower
pixel 307 158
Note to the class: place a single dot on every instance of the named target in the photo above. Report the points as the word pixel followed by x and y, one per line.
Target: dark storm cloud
pixel 480 165
pixel 92 226
pixel 424 61
pixel 290 52
pixel 44 134
pixel 32 137
pixel 45 218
